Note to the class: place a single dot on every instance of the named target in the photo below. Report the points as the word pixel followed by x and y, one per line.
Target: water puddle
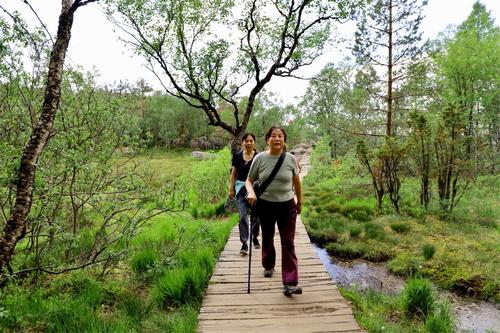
pixel 472 315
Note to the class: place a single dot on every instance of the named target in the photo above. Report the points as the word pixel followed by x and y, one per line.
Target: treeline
pixel 433 115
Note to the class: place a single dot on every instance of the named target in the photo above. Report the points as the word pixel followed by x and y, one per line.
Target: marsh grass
pixel 374 231
pixel 379 312
pixel 465 241
pixel 428 251
pixel 400 228
pixel 144 260
pixel 418 298
pixel 441 320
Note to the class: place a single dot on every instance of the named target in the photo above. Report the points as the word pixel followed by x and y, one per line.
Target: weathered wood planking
pixel 228 308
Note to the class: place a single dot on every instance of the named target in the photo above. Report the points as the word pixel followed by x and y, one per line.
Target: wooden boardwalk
pixel 228 308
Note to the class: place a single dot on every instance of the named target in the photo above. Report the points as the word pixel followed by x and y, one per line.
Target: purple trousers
pixel 285 215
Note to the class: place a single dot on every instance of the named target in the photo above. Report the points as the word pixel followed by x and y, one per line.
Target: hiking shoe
pixel 292 290
pixel 268 272
pixel 256 244
pixel 244 249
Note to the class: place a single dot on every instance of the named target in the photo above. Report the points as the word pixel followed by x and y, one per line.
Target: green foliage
pixel 72 305
pixel 347 251
pixel 144 260
pixel 134 307
pixel 418 298
pixel 355 230
pixel 441 320
pixel 464 261
pixel 374 231
pixel 358 209
pixel 379 312
pixel 168 121
pixel 428 251
pixel 205 187
pixel 359 249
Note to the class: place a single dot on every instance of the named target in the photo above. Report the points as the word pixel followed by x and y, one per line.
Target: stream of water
pixel 471 315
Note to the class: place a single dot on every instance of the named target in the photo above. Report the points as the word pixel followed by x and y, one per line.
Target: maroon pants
pixel 285 214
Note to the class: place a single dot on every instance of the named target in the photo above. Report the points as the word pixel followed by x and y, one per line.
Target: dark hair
pixel 247 134
pixel 270 131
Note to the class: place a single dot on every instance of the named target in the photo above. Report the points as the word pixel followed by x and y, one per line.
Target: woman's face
pixel 249 143
pixel 276 140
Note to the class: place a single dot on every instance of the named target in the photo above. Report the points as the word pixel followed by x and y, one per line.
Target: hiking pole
pixel 250 254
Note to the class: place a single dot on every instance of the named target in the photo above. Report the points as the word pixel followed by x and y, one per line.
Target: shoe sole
pixel 243 253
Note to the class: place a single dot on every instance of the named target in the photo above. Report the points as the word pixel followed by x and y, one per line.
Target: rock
pixel 201 155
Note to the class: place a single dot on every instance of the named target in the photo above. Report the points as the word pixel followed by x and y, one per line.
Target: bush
pixel 418 298
pixel 428 251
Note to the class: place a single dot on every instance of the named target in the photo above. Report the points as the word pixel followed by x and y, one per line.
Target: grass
pixel 157 286
pixel 378 312
pixel 418 298
pixel 428 251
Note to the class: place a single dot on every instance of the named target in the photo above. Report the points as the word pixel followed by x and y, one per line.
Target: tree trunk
pixel 388 131
pixel 15 227
pixel 236 141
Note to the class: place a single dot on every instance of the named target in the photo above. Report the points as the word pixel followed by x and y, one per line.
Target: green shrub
pixel 418 298
pixel 144 260
pixel 428 251
pixel 400 227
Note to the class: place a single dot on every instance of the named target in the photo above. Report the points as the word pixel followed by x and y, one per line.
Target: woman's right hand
pixel 251 198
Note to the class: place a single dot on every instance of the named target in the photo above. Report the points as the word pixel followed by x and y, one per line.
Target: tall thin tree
pixel 15 228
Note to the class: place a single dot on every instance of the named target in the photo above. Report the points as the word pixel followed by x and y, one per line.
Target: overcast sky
pixel 95 45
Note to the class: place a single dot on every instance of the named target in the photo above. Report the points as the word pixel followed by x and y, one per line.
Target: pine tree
pixel 388 36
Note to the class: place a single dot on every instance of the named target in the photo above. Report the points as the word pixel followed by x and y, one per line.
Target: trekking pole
pixel 250 254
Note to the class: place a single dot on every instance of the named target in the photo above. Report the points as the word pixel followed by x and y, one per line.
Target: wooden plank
pixel 228 308
pixel 288 324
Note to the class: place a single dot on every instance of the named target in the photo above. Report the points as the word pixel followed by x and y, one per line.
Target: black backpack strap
pixel 269 179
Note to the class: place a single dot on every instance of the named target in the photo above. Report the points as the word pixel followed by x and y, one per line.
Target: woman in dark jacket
pixel 240 166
